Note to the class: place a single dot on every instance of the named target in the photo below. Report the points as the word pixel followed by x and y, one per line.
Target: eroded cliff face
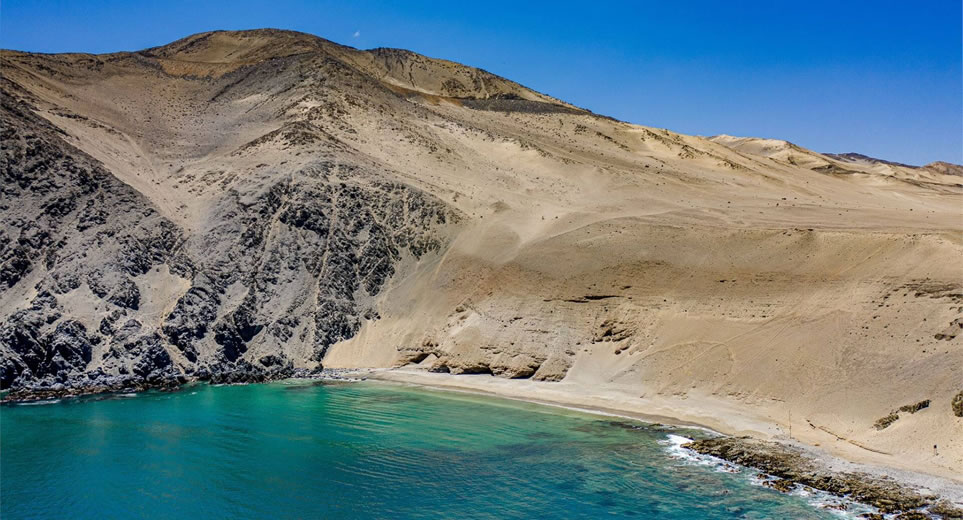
pixel 100 289
pixel 67 223
pixel 241 206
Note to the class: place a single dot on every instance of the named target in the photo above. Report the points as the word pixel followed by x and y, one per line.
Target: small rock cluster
pixel 885 422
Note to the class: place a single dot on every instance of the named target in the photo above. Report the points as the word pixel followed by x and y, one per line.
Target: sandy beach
pixel 709 413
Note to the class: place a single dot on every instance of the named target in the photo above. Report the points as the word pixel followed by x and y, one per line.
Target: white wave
pixel 674 444
pixel 839 506
pixel 39 403
pixel 675 450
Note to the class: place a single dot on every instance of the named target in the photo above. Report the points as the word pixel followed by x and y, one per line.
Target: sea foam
pixel 839 506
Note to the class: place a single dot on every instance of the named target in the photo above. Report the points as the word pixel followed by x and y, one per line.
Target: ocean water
pixel 307 450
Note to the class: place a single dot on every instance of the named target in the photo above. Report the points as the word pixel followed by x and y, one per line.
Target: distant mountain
pixel 945 168
pixel 860 158
pixel 940 167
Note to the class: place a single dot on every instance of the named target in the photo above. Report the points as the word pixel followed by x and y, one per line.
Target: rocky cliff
pixel 285 262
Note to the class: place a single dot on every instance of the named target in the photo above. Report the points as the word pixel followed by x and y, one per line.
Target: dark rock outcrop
pixel 283 260
pixel 792 468
pixel 58 236
pixel 190 319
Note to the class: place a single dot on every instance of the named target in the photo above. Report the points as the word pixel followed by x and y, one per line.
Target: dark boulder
pixel 190 319
pixel 69 341
pixel 270 360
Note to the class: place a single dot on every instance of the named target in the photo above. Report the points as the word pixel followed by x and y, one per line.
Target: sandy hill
pixel 264 201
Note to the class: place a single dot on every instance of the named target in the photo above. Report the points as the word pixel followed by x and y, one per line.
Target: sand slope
pixel 752 277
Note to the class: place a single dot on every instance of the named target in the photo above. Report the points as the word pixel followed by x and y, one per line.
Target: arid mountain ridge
pixel 240 206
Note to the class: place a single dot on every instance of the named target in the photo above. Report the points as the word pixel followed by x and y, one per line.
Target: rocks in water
pixel 95 383
pixel 913 515
pixel 946 510
pixel 792 468
pixel 780 484
pixel 153 370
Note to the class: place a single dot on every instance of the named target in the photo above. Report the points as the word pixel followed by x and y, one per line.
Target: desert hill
pixel 243 205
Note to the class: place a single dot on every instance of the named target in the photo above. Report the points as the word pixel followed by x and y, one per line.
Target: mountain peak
pixel 218 52
pixel 246 46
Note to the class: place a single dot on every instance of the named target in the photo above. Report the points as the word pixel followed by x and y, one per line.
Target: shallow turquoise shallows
pixel 365 450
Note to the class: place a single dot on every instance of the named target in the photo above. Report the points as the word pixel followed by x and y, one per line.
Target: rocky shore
pixel 105 384
pixel 792 468
pixel 784 467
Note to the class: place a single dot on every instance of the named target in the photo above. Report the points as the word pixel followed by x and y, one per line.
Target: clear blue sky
pixel 881 78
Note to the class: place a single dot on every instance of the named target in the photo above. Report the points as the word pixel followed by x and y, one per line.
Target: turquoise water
pixel 363 450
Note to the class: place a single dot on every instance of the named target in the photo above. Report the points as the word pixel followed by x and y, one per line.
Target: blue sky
pixel 881 78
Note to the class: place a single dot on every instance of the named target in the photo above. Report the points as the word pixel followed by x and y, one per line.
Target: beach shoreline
pixel 737 436
pixel 688 413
